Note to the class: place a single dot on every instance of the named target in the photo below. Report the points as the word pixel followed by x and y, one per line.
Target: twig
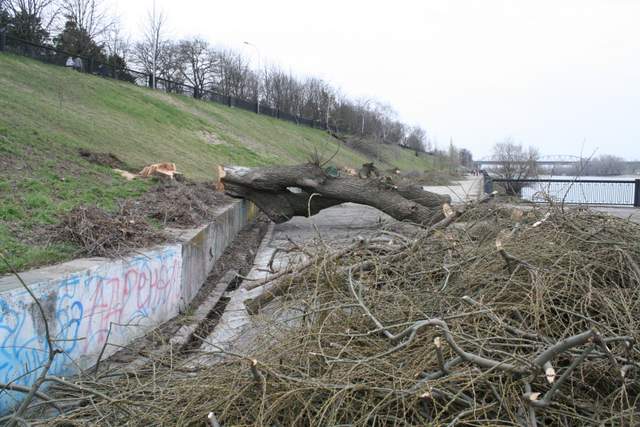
pixel 546 401
pixel 104 347
pixel 52 352
pixel 562 346
pixel 509 328
pixel 80 388
pixel 40 395
pixel 458 212
pixel 532 411
pixel 261 382
pixel 481 361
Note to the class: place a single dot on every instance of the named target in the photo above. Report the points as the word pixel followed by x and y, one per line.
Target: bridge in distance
pixel 554 160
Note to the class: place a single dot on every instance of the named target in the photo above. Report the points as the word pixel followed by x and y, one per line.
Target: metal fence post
pixel 3 39
pixel 636 194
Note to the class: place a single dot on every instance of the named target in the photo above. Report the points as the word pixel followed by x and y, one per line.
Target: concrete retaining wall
pixel 88 301
pixel 203 246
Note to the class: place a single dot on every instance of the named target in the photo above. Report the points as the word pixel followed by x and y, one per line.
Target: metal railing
pixel 58 57
pixel 572 191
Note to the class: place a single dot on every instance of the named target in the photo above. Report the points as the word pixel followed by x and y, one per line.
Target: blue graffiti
pixel 85 307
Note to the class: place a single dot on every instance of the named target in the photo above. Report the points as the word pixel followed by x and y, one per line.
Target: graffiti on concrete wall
pixel 115 301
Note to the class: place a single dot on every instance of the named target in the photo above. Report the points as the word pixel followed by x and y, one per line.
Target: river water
pixel 619 190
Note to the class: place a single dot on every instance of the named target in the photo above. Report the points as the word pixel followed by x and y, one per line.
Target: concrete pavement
pixel 334 227
pixel 464 190
pixel 632 214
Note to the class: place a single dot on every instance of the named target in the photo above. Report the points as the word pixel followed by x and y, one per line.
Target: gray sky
pixel 561 75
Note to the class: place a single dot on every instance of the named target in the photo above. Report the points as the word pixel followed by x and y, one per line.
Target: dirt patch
pixel 103 159
pixel 176 203
pixel 181 204
pixel 100 233
pixel 211 138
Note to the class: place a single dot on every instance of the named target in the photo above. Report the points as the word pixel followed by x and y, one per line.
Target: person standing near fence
pixel 77 64
pixel 70 63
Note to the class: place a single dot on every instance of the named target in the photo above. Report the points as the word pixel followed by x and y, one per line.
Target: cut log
pixel 283 192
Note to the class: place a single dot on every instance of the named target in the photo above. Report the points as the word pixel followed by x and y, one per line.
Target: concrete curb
pixel 186 334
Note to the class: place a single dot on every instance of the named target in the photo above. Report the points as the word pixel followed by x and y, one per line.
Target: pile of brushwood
pixel 494 316
pixel 181 204
pixel 100 233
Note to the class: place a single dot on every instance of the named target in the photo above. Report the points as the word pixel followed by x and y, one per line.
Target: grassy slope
pixel 47 113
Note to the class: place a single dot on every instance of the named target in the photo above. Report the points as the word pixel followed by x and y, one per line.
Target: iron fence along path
pixel 573 191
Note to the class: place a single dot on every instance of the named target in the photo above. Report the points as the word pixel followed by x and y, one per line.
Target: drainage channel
pixel 212 318
pixel 179 336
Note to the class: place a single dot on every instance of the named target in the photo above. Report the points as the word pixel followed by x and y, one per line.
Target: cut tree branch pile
pixel 439 328
pixel 283 192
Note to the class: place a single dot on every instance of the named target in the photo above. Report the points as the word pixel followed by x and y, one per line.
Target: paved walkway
pixel 467 189
pixel 632 214
pixel 335 227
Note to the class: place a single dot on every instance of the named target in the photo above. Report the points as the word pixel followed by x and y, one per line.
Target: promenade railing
pixel 614 192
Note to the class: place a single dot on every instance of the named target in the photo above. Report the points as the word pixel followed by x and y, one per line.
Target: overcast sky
pixel 561 75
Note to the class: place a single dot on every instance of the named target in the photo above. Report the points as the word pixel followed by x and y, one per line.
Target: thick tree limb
pixel 283 192
pixel 40 395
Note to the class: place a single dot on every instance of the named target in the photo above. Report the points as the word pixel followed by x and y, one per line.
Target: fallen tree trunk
pixel 283 192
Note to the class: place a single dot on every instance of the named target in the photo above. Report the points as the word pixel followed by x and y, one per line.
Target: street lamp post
pixel 259 66
pixel 155 46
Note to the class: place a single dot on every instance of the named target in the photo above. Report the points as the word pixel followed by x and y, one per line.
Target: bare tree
pixel 116 42
pixel 229 73
pixel 197 62
pixel 453 158
pixel 466 158
pixel 232 74
pixel 417 139
pixel 90 16
pixel 604 165
pixel 381 116
pixel 396 133
pixel 154 52
pixel 515 163
pixel 34 16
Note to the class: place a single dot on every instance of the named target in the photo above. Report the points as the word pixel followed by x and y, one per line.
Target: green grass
pixel 42 180
pixel 47 113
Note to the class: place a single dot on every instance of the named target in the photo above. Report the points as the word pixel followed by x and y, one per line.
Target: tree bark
pixel 283 192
